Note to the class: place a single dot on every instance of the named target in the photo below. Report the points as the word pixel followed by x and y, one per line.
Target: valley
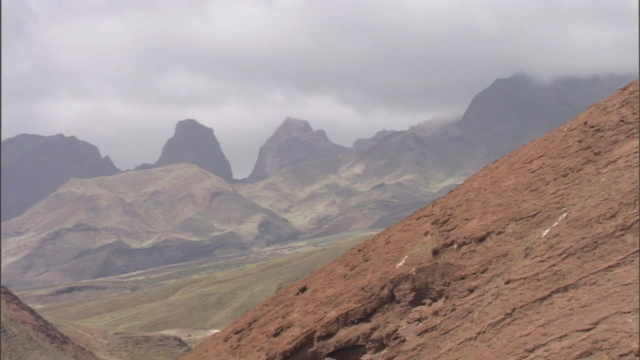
pixel 171 300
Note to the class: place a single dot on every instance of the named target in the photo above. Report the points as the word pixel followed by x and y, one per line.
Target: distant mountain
pixel 534 256
pixel 367 189
pixel 143 219
pixel 423 128
pixel 397 172
pixel 26 335
pixel 514 111
pixel 34 166
pixel 294 142
pixel 196 144
pixel 136 220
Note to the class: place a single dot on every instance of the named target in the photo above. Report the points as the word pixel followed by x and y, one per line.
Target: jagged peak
pixel 293 127
pixel 189 125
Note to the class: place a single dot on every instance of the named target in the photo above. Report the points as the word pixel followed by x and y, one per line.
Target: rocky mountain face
pixel 294 142
pixel 26 335
pixel 92 228
pixel 194 143
pixel 514 111
pixel 34 166
pixel 534 256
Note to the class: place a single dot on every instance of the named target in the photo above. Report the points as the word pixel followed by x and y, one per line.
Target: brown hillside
pixel 535 256
pixel 25 335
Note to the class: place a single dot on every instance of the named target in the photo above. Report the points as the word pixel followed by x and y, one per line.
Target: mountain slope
pixel 34 166
pixel 194 143
pixel 534 256
pixel 513 111
pixel 25 335
pixel 93 228
pixel 371 188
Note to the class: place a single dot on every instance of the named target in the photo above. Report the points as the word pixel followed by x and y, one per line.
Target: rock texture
pixel 34 166
pixel 25 335
pixel 194 143
pixel 535 256
pixel 92 228
pixel 294 142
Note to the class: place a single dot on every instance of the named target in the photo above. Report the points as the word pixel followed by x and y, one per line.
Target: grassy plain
pixel 189 297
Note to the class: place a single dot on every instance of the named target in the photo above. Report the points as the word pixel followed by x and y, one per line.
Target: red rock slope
pixel 534 257
pixel 25 335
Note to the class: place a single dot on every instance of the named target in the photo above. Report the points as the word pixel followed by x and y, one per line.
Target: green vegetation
pixel 203 296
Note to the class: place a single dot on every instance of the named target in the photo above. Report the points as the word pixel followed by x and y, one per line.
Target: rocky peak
pixel 293 127
pixel 520 108
pixel 196 144
pixel 293 142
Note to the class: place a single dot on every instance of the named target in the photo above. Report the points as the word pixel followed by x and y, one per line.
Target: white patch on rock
pixel 554 224
pixel 402 261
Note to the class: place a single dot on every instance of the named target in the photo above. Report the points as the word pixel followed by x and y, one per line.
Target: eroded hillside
pixel 26 335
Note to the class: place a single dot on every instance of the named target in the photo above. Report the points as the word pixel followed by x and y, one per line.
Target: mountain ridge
pixel 33 166
pixel 91 228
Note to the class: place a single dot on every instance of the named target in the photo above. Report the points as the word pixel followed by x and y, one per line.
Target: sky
pixel 121 73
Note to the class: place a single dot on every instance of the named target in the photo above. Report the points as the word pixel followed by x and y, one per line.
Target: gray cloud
pixel 120 73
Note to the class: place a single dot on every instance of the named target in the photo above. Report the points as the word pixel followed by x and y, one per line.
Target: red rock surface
pixel 534 257
pixel 24 334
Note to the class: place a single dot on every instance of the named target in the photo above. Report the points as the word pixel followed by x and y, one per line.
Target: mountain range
pixel 534 256
pixel 187 206
pixel 133 221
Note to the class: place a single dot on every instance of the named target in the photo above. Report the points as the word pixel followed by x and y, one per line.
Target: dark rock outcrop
pixel 293 143
pixel 34 166
pixel 196 144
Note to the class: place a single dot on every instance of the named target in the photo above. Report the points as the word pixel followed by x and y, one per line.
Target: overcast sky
pixel 120 73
